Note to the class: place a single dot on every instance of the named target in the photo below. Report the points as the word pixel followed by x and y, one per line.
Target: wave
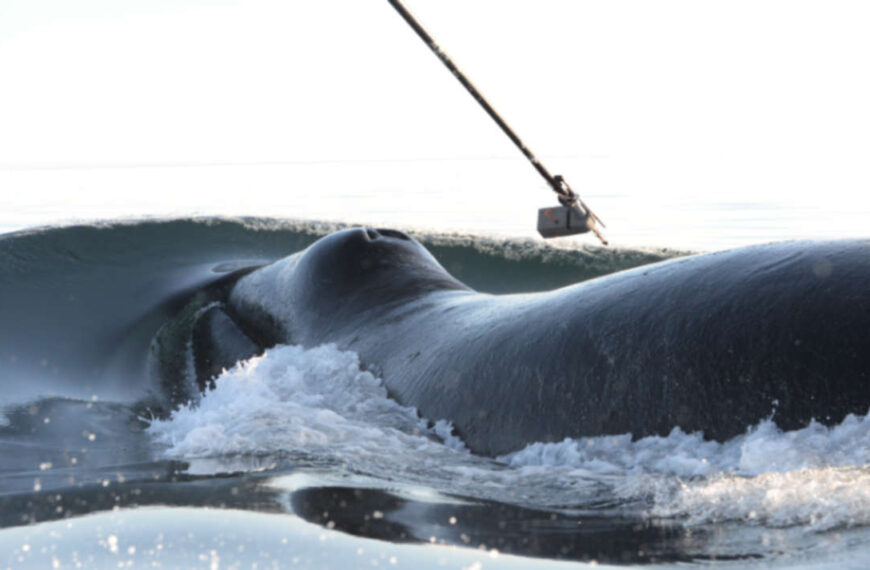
pixel 477 259
pixel 318 402
pixel 82 303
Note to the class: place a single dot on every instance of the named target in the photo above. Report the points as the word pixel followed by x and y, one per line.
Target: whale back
pixel 712 343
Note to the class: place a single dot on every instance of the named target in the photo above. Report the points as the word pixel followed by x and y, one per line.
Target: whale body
pixel 713 343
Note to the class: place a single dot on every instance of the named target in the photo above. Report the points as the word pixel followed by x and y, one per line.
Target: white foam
pixel 315 401
pixel 679 453
pixel 319 402
pixel 819 498
pixel 817 476
pixel 444 430
pixel 764 448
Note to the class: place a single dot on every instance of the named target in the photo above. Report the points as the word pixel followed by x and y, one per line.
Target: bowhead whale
pixel 713 342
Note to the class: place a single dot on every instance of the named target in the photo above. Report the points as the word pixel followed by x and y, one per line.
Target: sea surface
pixel 486 195
pixel 299 458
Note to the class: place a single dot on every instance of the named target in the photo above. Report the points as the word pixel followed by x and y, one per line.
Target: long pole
pixel 566 195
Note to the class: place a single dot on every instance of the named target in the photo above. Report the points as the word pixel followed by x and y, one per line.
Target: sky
pixel 656 112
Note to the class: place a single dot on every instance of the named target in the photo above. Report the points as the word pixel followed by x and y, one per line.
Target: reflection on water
pixel 487 525
pixel 384 514
pixel 376 513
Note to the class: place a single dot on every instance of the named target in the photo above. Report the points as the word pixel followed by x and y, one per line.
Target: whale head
pixel 337 280
pixel 361 267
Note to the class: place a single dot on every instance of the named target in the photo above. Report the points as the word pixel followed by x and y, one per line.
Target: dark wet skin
pixel 713 343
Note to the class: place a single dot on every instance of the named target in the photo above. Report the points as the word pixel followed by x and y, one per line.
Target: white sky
pixel 638 103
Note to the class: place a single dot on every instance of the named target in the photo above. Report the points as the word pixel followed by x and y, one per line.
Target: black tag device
pixel 559 221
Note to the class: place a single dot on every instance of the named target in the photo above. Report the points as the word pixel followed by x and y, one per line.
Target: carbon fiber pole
pixel 566 195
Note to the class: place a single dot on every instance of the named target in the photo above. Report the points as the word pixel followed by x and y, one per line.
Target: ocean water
pixel 299 457
pixel 483 195
pixel 150 151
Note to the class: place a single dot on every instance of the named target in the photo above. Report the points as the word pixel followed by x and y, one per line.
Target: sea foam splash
pixel 818 477
pixel 318 401
pixel 763 448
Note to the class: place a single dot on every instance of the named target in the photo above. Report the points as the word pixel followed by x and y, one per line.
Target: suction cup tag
pixel 559 221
